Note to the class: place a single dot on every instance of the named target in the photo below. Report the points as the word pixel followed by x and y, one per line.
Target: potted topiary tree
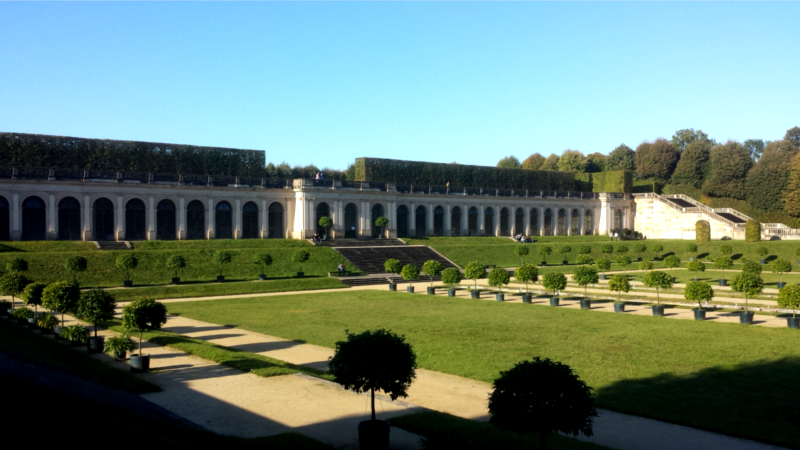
pixel 94 306
pixel 451 277
pixel 127 262
pixel 61 296
pixel 699 292
pixel 751 268
pixel 119 346
pixel 564 250
pixel 498 277
pixel 542 396
pixel 640 248
pixel 696 266
pixel 74 265
pixel 762 252
pixel 142 315
pixel 622 248
pixel 382 222
pixel 624 261
pixel 656 249
pixel 691 249
pixel 545 251
pixel 263 260
pixel 326 223
pixel 584 260
pixel 13 283
pixel 584 276
pixel 222 257
pixel 603 264
pixel 176 263
pixel 554 282
pixel 722 263
pixel 410 272
pixel 374 361
pixel 726 250
pixel 672 261
pixel 585 249
pixel 645 265
pixel 750 285
pixel 789 297
pixel 521 250
pixel 475 271
pixel 432 268
pixel 659 280
pixel 32 296
pixel 300 257
pixel 619 282
pixel 392 265
pixel 526 273
pixel 606 249
pixel 781 266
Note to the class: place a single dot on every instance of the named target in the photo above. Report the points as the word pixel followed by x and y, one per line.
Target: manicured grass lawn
pixel 216 244
pixel 724 377
pixel 211 289
pixel 46 246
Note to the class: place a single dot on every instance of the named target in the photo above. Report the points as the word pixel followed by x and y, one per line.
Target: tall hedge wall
pixel 38 150
pixel 613 181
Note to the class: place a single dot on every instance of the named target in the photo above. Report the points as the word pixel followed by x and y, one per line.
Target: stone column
pixel 481 220
pixel 448 222
pixel 151 233
pixel 497 211
pixel 16 217
pixel 237 219
pixel 211 223
pixel 429 220
pixel 87 219
pixel 527 221
pixel 541 220
pixel 51 217
pixel 121 218
pixel 582 220
pixel 412 219
pixel 368 219
pixel 605 213
pixel 264 219
pixel 181 217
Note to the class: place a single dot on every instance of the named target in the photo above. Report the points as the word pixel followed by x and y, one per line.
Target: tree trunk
pixel 372 391
pixel 95 330
pixel 141 333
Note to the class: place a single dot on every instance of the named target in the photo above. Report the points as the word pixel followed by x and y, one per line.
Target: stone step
pixel 370 260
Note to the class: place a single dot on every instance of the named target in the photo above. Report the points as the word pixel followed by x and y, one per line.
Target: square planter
pixel 699 314
pixel 32 323
pixel 793 322
pixel 619 307
pixel 603 276
pixel 176 281
pixel 658 311
pixel 262 277
pixel 220 278
pixel 746 318
pixel 544 263
pixel 476 294
pixel 586 303
pixel 373 434
pixel 500 297
pixel 451 292
pixel 723 282
pixel 526 298
pixel 300 274
pixel 95 344
pixel 781 284
pixel 410 289
pixel 127 283
pixel 431 291
pixel 140 364
pixel 392 286
pixel 553 301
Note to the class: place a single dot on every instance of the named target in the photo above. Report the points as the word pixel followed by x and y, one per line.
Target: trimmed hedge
pixel 39 150
pixel 616 181
pixel 752 231
pixel 702 231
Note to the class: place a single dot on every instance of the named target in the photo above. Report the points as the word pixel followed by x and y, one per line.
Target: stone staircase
pixel 361 243
pixel 112 245
pixel 370 259
pixel 374 281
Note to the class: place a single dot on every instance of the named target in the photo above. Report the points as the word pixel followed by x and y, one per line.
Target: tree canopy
pixel 533 162
pixel 656 160
pixel 767 179
pixel 730 163
pixel 621 158
pixel 509 162
pixel 683 138
pixel 694 164
pixel 571 161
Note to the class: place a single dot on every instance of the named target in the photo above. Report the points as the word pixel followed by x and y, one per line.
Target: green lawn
pixel 46 246
pixel 216 244
pixel 724 377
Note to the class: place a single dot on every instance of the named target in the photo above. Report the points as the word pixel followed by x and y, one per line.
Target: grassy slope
pixel 724 377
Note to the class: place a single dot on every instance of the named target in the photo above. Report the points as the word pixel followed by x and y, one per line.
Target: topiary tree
pixel 691 249
pixel 13 283
pixel 564 250
pixel 521 250
pixel 585 249
pixel 498 277
pixel 410 272
pixel 696 266
pixel 300 257
pixel 749 284
pixel 263 260
pixel 672 261
pixel 607 249
pixel 656 249
pixel 619 282
pixel 603 264
pixel 640 248
pixel 17 264
pixel 432 269
pixel 74 265
pixel 622 248
pixel 751 268
pixel 789 297
pixel 382 222
pixel 127 262
pixel 554 281
pixel 624 261
pixel 144 314
pixel 645 265
pixel 699 292
pixel 326 223
pixel 527 273
pixel 392 265
pixel 726 250
pixel 542 396
pixel 222 257
pixel 176 263
pixel 32 295
pixel 584 259
pixel 702 231
pixel 752 231
pixel 722 263
pixel 584 276
pixel 781 266
pixel 659 280
pixel 451 276
pixel 61 296
pixel 474 271
pixel 374 361
pixel 762 252
pixel 96 305
pixel 545 251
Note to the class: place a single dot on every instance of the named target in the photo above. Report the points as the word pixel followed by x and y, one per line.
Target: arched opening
pixel 5 224
pixel 165 221
pixel 548 222
pixel 519 222
pixel 472 224
pixel 488 222
pixel 250 221
pixel 103 217
pixel 455 221
pixel 534 221
pixel 505 229
pixel 195 220
pixel 588 222
pixel 34 219
pixel 575 228
pixel 69 219
pixel 322 210
pixel 420 221
pixel 402 221
pixel 351 221
pixel 618 221
pixel 135 220
pixel 377 211
pixel 223 221
pixel 275 220
pixel 562 222
pixel 438 221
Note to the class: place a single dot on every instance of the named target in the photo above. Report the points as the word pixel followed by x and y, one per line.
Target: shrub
pixel 17 264
pixel 726 250
pixel 781 266
pixel 657 249
pixel 126 262
pixel 624 261
pixel 619 282
pixel 698 291
pixel 74 265
pixel 564 250
pixel 752 231
pixel 584 259
pixel 143 314
pixel 432 269
pixel 410 272
pixel 32 295
pixel 498 277
pixel 702 231
pixel 554 281
pixel 722 263
pixel 521 250
pixel 96 305
pixel 121 343
pixel 749 284
pixel 607 248
pixel 672 262
pixel 542 396
pixel 622 248
pixel 474 271
pixel 585 249
pixel 300 257
pixel 22 313
pixel 584 276
pixel 46 321
pixel 696 266
pixel 603 264
pixel 392 265
pixel 789 297
pixel 691 248
pixel 75 333
pixel 762 252
pixel 545 250
pixel 640 248
pixel 451 276
pixel 658 280
pixel 61 296
pixel 527 273
pixel 176 262
pixel 752 268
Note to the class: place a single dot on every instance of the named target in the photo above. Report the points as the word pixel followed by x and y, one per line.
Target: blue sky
pixel 325 83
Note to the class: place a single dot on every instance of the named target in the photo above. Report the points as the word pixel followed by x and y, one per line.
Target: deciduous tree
pixel 730 163
pixel 595 162
pixel 682 138
pixel 509 162
pixel 656 160
pixel 550 163
pixel 571 161
pixel 766 182
pixel 621 158
pixel 694 165
pixel 533 162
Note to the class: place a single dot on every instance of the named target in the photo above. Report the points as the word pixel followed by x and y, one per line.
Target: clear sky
pixel 324 83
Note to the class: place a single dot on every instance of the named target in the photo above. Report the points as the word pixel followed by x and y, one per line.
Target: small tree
pixel 640 248
pixel 498 277
pixel 176 263
pixel 564 250
pixel 127 262
pixel 410 272
pixel 699 292
pixel 74 265
pixel 584 276
pixel 326 223
pixel 474 271
pixel 263 260
pixel 554 281
pixel 17 264
pixel 789 297
pixel 585 249
pixel 749 284
pixel 726 250
pixel 672 261
pixel 374 361
pixel 722 263
pixel 32 295
pixel 751 268
pixel 13 283
pixel 691 249
pixel 542 396
pixel 607 249
pixel 622 248
pixel 584 259
pixel 781 266
pixel 696 266
pixel 521 250
pixel 603 264
pixel 656 249
pixel 432 268
pixel 645 265
pixel 619 282
pixel 222 257
pixel 658 280
pixel 545 251
pixel 451 276
pixel 527 273
pixel 382 222
pixel 762 252
pixel 144 314
pixel 752 231
pixel 624 261
pixel 61 296
pixel 300 257
pixel 392 265
pixel 96 305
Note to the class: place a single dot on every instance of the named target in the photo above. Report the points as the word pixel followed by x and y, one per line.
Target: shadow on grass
pixel 753 401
